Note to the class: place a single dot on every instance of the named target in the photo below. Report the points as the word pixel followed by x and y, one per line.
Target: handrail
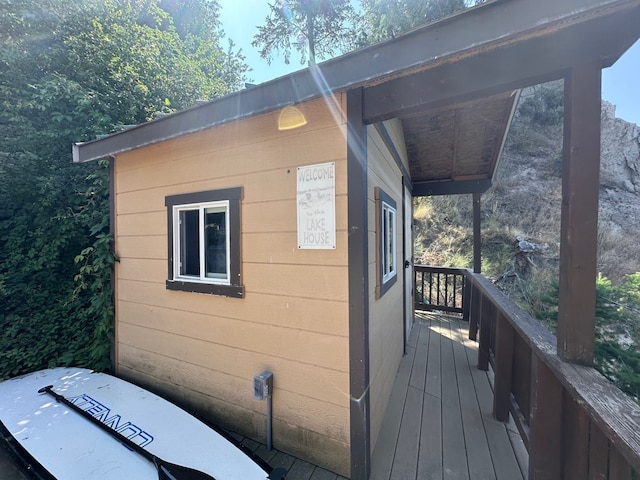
pixel 572 419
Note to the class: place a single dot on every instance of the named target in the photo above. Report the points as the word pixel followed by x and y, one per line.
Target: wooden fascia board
pixel 459 35
pixel 509 63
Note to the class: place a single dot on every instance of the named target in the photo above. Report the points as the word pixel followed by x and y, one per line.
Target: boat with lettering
pixel 75 424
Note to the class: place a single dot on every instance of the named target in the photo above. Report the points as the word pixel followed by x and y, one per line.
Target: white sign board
pixel 317 206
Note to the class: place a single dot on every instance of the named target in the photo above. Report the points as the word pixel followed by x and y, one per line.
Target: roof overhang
pixel 468 62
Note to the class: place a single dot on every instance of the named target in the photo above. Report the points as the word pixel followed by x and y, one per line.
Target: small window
pixel 386 235
pixel 388 242
pixel 204 242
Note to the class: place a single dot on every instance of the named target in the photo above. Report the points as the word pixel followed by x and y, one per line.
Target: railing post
pixel 503 369
pixel 477 239
pixel 545 422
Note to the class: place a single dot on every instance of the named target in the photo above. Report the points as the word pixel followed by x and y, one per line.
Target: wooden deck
pixel 439 421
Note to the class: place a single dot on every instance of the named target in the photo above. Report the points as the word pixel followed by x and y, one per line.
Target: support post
pixel 579 225
pixel 477 239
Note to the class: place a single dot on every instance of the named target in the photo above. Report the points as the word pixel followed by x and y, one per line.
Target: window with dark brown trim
pixel 204 242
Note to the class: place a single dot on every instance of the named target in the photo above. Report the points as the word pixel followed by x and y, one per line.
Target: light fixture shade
pixel 291 118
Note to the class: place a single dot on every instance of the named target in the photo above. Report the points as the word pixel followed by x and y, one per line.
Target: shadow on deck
pixel 439 422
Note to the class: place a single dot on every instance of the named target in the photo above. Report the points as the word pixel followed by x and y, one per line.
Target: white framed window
pixel 388 242
pixel 386 239
pixel 204 242
pixel 201 242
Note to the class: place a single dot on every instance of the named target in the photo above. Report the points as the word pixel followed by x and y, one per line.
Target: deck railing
pixel 574 422
pixel 440 289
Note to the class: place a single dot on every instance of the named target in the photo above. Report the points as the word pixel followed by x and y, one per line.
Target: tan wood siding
pixel 313 315
pixel 293 319
pixel 385 313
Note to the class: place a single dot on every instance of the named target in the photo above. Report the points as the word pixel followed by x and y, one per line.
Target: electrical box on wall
pixel 262 385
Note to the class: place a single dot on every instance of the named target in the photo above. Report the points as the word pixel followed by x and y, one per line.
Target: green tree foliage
pixel 70 71
pixel 323 28
pixel 313 28
pixel 617 349
pixel 383 19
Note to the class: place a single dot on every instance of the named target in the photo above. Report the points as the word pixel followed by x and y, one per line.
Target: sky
pixel 240 18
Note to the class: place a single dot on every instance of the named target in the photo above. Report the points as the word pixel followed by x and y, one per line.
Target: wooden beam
pixel 427 189
pixel 579 224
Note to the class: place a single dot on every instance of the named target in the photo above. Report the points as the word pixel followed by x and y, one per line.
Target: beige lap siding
pixel 386 312
pixel 204 350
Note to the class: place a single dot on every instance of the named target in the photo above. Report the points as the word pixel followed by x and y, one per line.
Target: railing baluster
pixel 455 281
pixel 576 441
pixel 484 345
pixel 503 369
pixel 545 444
pixel 446 289
pixel 619 469
pixel 598 454
pixel 474 310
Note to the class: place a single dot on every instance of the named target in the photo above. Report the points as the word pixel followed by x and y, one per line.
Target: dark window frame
pixel 234 197
pixel 382 198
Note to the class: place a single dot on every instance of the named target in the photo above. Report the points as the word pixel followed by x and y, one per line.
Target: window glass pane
pixel 215 238
pixel 391 240
pixel 388 250
pixel 385 241
pixel 189 243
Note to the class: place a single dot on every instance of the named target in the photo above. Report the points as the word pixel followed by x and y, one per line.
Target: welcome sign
pixel 316 196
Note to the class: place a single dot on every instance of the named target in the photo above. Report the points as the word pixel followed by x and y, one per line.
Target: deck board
pixel 404 465
pixel 446 428
pixel 454 457
pixel 393 418
pixel 430 454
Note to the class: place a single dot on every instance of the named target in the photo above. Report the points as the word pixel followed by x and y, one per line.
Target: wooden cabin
pixel 270 230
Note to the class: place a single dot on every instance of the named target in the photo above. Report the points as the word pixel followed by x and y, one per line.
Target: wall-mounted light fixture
pixel 291 118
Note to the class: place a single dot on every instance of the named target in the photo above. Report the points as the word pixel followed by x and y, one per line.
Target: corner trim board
pixel 358 253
